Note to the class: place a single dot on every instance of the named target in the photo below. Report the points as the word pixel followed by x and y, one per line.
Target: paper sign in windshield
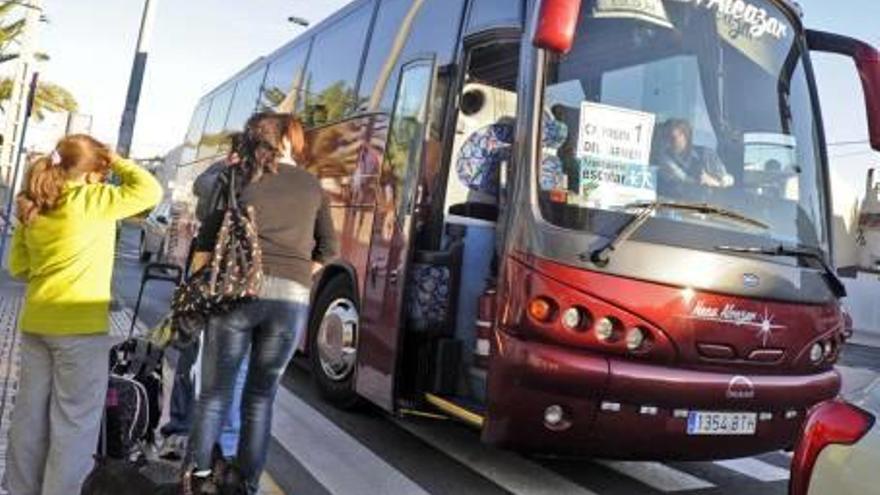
pixel 614 150
pixel 614 186
pixel 615 134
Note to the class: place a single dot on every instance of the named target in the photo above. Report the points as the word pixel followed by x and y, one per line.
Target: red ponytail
pixel 44 180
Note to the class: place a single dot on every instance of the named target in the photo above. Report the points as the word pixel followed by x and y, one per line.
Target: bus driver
pixel 681 162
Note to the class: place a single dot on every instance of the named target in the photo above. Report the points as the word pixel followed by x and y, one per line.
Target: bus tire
pixel 332 346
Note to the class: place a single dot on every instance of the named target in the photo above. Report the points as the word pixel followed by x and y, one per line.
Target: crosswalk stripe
pixel 334 458
pixel 511 472
pixel 658 476
pixel 268 486
pixel 755 468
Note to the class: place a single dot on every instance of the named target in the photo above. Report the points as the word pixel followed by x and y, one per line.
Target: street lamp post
pixel 129 115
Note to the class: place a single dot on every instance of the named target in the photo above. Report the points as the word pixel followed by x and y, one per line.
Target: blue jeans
pixel 270 328
pixel 183 392
pixel 231 431
pixel 183 402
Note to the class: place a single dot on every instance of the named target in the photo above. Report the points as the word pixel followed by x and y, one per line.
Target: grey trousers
pixel 56 421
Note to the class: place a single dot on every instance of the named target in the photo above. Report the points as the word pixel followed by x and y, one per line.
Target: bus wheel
pixel 333 340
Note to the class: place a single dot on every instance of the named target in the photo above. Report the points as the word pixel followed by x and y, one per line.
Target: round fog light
pixel 572 318
pixel 817 353
pixel 554 415
pixel 605 329
pixel 555 419
pixel 635 338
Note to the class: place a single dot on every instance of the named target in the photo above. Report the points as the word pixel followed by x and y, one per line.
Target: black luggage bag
pixel 132 413
pixel 134 395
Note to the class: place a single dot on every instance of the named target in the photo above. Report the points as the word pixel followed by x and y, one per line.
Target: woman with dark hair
pixel 208 188
pixel 64 249
pixel 268 329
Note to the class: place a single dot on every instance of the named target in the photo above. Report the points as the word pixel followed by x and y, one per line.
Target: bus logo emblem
pixel 740 387
pixel 750 280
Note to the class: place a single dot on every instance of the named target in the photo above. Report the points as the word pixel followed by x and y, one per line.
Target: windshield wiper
pixel 834 282
pixel 601 256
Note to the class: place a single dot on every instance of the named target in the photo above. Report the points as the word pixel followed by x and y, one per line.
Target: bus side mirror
pixel 556 25
pixel 867 60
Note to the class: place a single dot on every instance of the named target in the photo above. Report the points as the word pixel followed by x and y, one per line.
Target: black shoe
pixel 227 476
pixel 193 484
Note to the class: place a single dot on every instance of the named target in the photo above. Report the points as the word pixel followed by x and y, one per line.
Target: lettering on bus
pixel 731 314
pixel 652 11
pixel 760 22
pixel 742 16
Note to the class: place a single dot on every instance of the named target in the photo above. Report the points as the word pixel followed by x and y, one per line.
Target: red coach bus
pixel 591 227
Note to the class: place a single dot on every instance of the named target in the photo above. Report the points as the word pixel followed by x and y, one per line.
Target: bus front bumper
pixel 625 409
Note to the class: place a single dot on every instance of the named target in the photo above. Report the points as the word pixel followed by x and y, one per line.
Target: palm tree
pixel 50 98
pixel 9 30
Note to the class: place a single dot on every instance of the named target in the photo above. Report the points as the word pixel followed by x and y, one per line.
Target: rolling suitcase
pixel 133 406
pixel 132 412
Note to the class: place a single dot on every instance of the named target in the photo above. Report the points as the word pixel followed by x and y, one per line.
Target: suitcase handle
pixel 162 272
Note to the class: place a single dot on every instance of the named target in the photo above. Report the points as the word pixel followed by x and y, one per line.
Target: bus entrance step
pixel 468 411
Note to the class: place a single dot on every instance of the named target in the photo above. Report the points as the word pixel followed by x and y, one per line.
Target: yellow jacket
pixel 67 255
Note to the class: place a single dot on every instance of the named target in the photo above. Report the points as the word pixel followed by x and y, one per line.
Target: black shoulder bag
pixel 233 276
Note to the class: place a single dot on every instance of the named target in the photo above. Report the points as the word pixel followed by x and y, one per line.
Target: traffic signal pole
pixel 129 115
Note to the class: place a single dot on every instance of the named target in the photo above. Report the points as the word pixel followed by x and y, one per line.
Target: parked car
pixel 839 449
pixel 154 232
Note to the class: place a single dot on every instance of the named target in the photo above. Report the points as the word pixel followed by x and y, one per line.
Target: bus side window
pixel 332 70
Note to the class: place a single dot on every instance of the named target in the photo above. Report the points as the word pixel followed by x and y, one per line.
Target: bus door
pixel 398 186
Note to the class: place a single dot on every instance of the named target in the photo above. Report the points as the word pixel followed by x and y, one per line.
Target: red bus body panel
pixel 532 368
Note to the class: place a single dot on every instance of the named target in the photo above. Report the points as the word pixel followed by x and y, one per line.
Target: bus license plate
pixel 720 423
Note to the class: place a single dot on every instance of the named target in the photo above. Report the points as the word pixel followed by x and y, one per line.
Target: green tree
pixel 50 98
pixel 10 30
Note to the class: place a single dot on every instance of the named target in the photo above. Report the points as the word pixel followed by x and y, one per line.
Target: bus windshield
pixel 694 101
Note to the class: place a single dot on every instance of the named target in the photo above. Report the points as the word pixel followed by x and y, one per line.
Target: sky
pixel 196 44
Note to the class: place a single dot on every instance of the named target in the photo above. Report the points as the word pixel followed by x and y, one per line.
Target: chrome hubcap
pixel 337 339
